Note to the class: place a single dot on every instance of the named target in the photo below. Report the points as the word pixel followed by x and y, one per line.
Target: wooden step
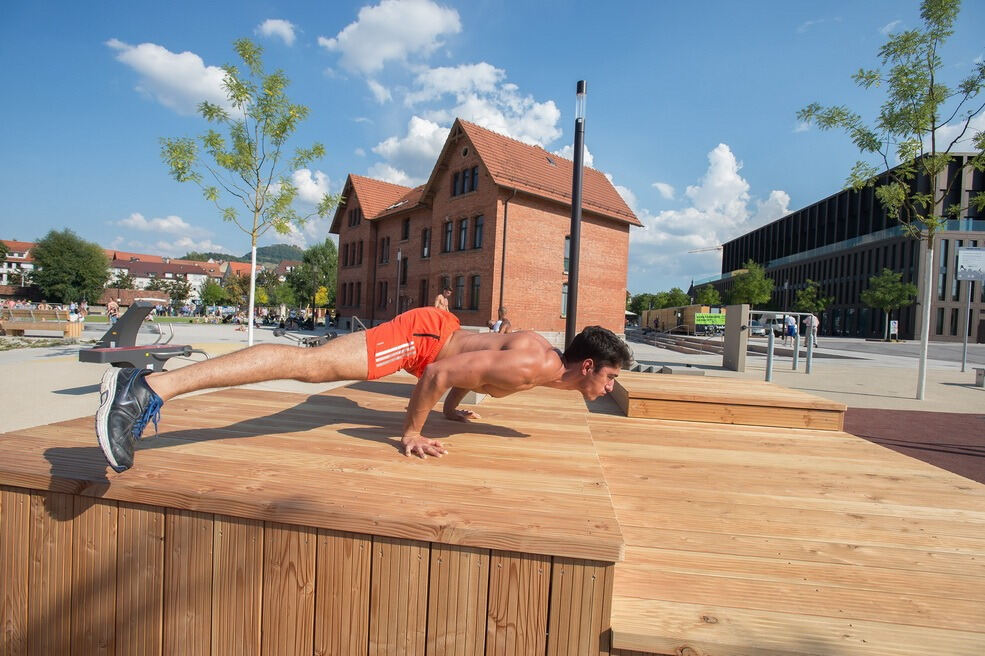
pixel 724 401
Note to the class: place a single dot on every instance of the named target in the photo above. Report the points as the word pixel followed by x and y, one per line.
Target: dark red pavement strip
pixel 950 440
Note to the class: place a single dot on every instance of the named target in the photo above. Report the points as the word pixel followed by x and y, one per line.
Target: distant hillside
pixel 274 254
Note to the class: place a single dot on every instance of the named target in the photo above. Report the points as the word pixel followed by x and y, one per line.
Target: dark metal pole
pixel 570 326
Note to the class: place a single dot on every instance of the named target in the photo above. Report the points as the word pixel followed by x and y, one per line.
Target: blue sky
pixel 691 106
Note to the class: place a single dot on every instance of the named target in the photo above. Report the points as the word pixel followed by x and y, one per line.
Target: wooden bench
pixel 15 321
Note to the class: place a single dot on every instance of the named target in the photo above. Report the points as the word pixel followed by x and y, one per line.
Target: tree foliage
pixel 918 191
pixel 123 280
pixel 246 173
pixel 888 292
pixel 752 287
pixel 212 293
pixel 68 268
pixel 317 269
pixel 3 252
pixel 810 299
pixel 707 295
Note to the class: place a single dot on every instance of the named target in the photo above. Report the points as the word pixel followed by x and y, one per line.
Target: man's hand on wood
pixel 462 415
pixel 416 445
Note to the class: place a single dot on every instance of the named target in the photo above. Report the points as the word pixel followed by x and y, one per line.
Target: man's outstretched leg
pixel 131 398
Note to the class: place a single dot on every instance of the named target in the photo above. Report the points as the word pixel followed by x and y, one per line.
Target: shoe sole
pixel 107 392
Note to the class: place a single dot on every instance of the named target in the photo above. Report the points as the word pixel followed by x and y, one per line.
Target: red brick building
pixel 492 223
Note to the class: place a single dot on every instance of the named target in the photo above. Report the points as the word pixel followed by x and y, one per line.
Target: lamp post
pixel 576 184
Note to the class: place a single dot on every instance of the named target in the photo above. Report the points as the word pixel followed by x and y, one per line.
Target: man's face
pixel 598 383
pixel 447 293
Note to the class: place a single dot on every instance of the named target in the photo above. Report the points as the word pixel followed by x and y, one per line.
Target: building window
pixel 466 180
pixel 359 253
pixel 567 252
pixel 474 296
pixel 477 232
pixel 425 301
pixel 954 321
pixel 475 178
pixel 359 294
pixel 940 321
pixel 344 301
pixel 403 271
pixel 463 182
pixel 459 292
pixel 446 245
pixel 445 283
pixel 463 234
pixel 405 230
pixel 382 287
pixel 384 250
pixel 454 183
pixel 426 242
pixel 355 217
pixel 564 299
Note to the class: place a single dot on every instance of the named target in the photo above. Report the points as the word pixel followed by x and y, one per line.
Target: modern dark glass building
pixel 847 238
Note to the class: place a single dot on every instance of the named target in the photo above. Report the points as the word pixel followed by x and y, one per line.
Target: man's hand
pixel 462 415
pixel 422 447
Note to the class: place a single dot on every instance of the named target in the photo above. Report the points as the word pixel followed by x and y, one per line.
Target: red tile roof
pixel 140 257
pixel 18 246
pixel 411 199
pixel 532 169
pixel 243 268
pixel 375 196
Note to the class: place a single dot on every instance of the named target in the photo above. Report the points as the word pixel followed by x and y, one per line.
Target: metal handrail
pixel 362 326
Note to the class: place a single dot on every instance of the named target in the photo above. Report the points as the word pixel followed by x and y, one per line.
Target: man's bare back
pixel 535 360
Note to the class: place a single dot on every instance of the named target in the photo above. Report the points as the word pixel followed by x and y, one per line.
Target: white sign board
pixel 971 264
pixel 894 328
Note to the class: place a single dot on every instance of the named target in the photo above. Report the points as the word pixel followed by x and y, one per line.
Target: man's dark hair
pixel 601 345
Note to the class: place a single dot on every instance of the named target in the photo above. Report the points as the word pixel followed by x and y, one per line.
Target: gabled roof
pixel 18 247
pixel 138 257
pixel 375 197
pixel 411 199
pixel 514 164
pixel 242 268
pixel 142 269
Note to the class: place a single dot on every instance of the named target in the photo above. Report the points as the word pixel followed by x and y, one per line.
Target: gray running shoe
pixel 126 404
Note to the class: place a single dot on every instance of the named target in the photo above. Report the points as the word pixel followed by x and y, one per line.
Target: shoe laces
pixel 151 413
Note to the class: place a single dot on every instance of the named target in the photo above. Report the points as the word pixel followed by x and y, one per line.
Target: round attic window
pixel 465 151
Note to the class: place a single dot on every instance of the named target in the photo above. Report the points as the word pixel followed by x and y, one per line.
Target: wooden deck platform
pixel 725 401
pixel 273 523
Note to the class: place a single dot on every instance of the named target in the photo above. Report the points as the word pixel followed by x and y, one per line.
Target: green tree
pixel 251 167
pixel 178 290
pixel 317 269
pixel 68 268
pixel 321 297
pixel 677 297
pixel 3 252
pixel 915 192
pixel 212 293
pixel 283 294
pixel 123 280
pixel 752 287
pixel 238 288
pixel 810 299
pixel 157 285
pixel 639 303
pixel 888 292
pixel 707 295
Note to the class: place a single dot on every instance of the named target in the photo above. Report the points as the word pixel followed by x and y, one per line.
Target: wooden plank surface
pixel 50 607
pixel 94 548
pixel 140 579
pixel 759 541
pixel 519 586
pixel 237 585
pixel 15 518
pixel 188 583
pixel 458 593
pixel 342 593
pixel 398 597
pixel 579 618
pixel 288 590
pixel 519 480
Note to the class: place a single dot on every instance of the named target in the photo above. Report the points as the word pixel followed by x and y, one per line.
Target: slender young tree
pixel 752 287
pixel 707 295
pixel 888 292
pixel 810 298
pixel 249 171
pixel 918 104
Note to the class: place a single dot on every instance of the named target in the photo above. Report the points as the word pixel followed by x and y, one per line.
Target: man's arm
pixel 452 399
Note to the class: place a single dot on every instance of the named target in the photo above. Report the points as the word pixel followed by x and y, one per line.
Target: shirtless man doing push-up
pixel 426 342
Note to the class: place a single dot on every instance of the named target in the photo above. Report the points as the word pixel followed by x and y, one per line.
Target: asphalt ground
pixel 876 380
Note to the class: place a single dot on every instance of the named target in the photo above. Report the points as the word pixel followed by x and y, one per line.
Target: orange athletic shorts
pixel 411 341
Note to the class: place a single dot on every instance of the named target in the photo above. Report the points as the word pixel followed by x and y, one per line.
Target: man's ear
pixel 587 366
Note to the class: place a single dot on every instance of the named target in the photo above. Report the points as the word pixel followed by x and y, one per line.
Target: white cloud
pixel 360 152
pixel 459 81
pixel 665 190
pixel 506 112
pixel 393 30
pixel 720 209
pixel 311 185
pixel 179 81
pixel 802 126
pixel 888 28
pixel 807 25
pixel 380 92
pixel 409 159
pixel 951 131
pixel 172 225
pixel 568 152
pixel 277 27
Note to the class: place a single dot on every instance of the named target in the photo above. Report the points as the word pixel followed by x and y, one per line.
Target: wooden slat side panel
pixel 188 583
pixel 342 588
pixel 398 601
pixel 727 413
pixel 15 518
pixel 50 608
pixel 458 593
pixel 140 580
pixel 579 617
pixel 288 590
pixel 237 585
pixel 519 586
pixel 94 576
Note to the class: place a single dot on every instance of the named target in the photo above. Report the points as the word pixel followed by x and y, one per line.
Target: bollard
pixel 769 356
pixel 810 349
pixel 796 348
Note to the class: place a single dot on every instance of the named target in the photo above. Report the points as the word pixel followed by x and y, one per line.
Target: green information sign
pixel 709 319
